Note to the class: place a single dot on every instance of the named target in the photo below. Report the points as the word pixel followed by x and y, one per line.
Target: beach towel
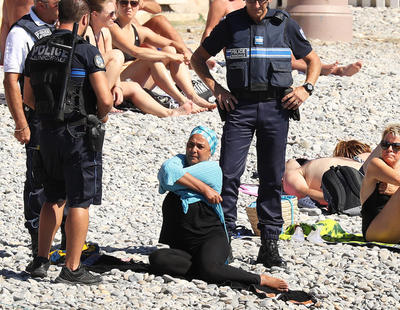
pixel 249 189
pixel 332 232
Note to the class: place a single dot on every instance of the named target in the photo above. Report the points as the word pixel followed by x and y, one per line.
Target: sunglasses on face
pixel 126 2
pixel 395 146
pixel 260 2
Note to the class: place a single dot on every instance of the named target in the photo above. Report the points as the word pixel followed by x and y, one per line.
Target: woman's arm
pixel 196 185
pixel 120 41
pixel 204 178
pixel 379 171
pixel 150 37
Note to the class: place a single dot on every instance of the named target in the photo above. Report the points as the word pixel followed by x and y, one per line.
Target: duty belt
pixel 271 93
pixel 53 124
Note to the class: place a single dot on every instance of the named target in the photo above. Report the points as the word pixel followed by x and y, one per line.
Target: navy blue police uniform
pixel 258 59
pixel 71 170
pixel 33 189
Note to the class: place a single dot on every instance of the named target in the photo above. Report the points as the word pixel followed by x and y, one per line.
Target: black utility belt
pixel 54 124
pixel 271 93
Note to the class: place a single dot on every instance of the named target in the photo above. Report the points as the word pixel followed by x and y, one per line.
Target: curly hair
pixel 350 148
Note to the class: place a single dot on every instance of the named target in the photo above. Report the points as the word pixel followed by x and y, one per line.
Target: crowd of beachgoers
pixel 128 222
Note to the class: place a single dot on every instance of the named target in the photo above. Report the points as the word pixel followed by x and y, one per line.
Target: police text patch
pixel 99 62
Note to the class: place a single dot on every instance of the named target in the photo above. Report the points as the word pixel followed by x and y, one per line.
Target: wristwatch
pixel 309 88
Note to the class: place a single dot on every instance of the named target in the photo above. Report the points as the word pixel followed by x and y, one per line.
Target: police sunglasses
pixel 260 2
pixel 126 2
pixel 385 145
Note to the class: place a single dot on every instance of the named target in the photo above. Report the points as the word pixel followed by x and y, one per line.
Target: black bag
pixel 341 187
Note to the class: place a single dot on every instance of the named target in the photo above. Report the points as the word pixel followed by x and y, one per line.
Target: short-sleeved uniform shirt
pixel 220 38
pixel 72 171
pixel 18 44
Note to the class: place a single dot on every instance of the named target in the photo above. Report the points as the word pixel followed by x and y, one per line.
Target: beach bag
pixel 341 187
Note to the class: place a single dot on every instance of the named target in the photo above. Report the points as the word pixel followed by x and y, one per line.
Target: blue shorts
pixel 71 171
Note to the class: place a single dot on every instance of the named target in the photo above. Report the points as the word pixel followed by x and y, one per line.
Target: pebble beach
pixel 128 222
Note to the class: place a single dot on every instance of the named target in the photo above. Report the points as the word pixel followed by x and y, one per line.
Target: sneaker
pixel 78 276
pixel 38 267
pixel 268 254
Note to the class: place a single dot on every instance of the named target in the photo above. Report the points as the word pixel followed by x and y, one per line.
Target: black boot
pixel 268 255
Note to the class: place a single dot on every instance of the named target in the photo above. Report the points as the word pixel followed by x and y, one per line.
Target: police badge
pixel 99 62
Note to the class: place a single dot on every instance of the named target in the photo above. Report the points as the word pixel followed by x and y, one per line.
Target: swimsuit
pixel 129 57
pixel 372 207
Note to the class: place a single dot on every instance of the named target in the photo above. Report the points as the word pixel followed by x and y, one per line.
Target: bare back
pixel 314 169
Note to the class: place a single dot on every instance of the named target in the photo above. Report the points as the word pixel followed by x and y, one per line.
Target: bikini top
pixel 129 57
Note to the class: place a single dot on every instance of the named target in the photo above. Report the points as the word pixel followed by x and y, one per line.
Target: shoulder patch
pixel 99 62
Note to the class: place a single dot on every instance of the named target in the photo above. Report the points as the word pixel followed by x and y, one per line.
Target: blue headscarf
pixel 208 134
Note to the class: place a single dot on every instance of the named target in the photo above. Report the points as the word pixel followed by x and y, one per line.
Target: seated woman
pixel 381 211
pixel 148 66
pixel 193 220
pixel 102 16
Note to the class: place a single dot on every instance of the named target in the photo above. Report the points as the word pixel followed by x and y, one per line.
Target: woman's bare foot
pixel 201 102
pixel 348 70
pixel 328 69
pixel 114 110
pixel 197 109
pixel 274 283
pixel 184 109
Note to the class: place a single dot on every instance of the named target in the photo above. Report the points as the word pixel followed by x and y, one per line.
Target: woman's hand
pixel 387 189
pixel 117 95
pixel 211 195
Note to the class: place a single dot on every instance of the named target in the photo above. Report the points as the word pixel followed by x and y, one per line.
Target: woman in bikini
pixel 148 66
pixel 103 16
pixel 381 210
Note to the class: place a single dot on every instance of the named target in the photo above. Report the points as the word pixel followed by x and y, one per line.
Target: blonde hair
pixel 394 129
pixel 350 148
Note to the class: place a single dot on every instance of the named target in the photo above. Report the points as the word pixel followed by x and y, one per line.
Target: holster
pixel 96 132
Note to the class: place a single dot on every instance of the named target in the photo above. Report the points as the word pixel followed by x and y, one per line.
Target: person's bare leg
pixel 385 226
pixel 348 70
pixel 141 70
pixel 181 76
pixel 274 283
pixel 114 60
pixel 76 228
pixel 160 24
pixel 147 104
pixel 50 220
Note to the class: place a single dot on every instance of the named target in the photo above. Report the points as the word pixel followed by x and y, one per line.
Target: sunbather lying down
pixel 303 177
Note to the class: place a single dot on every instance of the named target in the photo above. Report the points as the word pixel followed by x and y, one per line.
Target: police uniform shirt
pixel 87 60
pixel 18 44
pixel 220 37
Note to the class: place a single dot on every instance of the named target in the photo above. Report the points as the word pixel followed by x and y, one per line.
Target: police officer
pixel 70 135
pixel 258 42
pixel 31 27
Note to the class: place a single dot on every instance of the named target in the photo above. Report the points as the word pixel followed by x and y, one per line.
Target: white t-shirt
pixel 18 44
